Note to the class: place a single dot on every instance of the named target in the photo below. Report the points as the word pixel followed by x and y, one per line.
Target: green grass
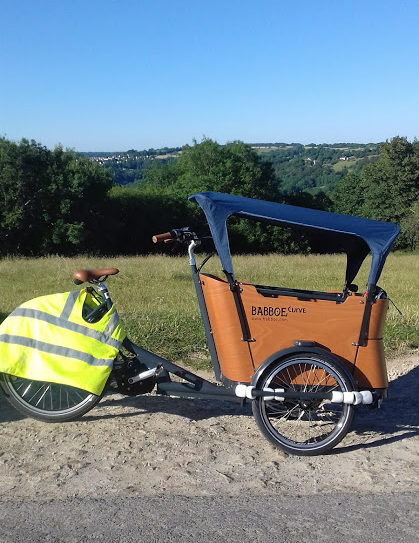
pixel 155 295
pixel 342 164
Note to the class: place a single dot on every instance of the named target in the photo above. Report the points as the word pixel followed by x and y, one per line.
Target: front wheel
pixel 304 427
pixel 49 402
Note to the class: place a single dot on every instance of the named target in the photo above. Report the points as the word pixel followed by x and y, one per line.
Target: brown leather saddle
pixel 86 276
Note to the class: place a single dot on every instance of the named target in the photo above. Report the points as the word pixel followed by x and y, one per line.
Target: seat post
pixel 104 292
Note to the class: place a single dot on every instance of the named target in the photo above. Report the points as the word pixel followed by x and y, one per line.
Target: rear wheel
pixel 49 402
pixel 304 427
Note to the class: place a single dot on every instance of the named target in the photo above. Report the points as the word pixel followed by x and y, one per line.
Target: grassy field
pixel 155 296
pixel 342 164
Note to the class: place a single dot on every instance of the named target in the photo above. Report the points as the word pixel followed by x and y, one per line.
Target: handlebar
pixel 167 236
pixel 182 235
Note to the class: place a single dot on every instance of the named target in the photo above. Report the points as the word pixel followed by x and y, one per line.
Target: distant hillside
pixel 129 166
pixel 311 168
pixel 314 168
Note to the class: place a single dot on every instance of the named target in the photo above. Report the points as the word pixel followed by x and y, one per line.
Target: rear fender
pixel 308 349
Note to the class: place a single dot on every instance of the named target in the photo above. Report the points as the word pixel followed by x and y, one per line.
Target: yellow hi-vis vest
pixel 47 339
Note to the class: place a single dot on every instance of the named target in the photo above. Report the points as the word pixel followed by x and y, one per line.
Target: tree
pixel 234 168
pixel 410 227
pixel 48 199
pixel 348 196
pixel 385 190
pixel 131 218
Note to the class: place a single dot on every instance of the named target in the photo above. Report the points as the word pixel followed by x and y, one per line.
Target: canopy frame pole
pixel 235 290
pixel 363 333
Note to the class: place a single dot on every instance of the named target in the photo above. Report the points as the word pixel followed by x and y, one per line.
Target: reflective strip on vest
pixel 47 339
pixel 56 321
pixel 69 305
pixel 56 349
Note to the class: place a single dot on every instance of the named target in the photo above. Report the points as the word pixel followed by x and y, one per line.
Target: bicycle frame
pixel 160 368
pixel 197 387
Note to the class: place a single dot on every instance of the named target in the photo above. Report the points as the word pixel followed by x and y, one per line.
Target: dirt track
pixel 133 467
pixel 151 445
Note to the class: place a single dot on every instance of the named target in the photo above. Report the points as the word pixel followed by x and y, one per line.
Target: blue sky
pixel 119 74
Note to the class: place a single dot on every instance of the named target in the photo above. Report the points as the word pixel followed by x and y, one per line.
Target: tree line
pixel 312 168
pixel 59 201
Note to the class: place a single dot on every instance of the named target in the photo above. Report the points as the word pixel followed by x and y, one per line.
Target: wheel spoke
pixel 36 392
pixel 311 424
pixel 290 381
pixel 41 398
pixel 26 389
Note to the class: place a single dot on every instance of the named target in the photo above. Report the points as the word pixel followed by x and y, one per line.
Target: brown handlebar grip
pixel 162 237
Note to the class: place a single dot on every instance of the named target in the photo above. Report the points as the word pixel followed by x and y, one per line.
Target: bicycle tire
pixel 48 402
pixel 311 427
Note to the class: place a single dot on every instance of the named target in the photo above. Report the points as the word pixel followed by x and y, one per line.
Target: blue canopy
pixel 356 235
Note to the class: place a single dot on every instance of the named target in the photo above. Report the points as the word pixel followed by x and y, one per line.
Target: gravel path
pixel 318 518
pixel 153 449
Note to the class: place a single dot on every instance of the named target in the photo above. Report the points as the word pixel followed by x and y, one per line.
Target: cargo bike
pixel 304 359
